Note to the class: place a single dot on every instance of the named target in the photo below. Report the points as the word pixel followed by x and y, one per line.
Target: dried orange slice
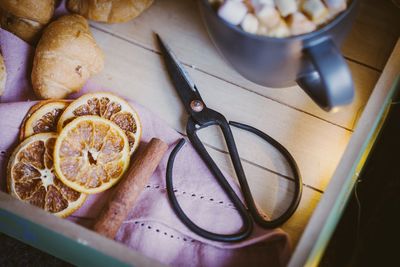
pixel 31 177
pixel 91 154
pixel 42 117
pixel 110 107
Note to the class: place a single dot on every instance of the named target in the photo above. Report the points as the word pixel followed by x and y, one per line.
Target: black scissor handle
pixel 296 175
pixel 216 118
pixel 240 235
pixel 245 231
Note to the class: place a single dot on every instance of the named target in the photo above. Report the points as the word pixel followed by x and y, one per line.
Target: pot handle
pixel 330 84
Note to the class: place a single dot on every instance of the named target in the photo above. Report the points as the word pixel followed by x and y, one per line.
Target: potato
pixel 65 57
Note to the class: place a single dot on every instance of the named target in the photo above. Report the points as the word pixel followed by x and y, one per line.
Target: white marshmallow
pixel 262 30
pixel 232 11
pixel 259 4
pixel 250 23
pixel 269 16
pixel 280 31
pixel 333 12
pixel 336 4
pixel 266 2
pixel 299 24
pixel 286 7
pixel 316 10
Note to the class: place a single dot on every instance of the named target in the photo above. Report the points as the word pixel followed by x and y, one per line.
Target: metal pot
pixel 311 60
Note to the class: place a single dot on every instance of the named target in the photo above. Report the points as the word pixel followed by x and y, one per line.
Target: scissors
pixel 200 117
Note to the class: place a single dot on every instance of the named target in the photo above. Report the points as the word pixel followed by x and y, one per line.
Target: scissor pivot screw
pixel 197 105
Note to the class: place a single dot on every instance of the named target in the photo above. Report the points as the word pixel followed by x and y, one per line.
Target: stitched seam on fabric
pixel 182 238
pixel 220 203
pixel 194 195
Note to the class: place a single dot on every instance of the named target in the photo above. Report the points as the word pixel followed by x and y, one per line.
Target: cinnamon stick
pixel 129 189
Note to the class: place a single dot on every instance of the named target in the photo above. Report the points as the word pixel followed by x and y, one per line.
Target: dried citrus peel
pixel 31 177
pixel 110 107
pixel 91 154
pixel 42 117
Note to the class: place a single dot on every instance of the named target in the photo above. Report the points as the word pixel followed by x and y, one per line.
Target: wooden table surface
pixel 315 138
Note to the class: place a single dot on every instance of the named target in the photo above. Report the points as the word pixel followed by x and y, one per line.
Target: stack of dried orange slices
pixel 71 149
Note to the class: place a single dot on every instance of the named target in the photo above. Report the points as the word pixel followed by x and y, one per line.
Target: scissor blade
pixel 180 78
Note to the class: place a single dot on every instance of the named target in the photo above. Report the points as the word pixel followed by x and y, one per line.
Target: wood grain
pixel 332 205
pixel 179 21
pixel 308 138
pixel 374 34
pixel 140 74
pixel 273 193
pixel 315 138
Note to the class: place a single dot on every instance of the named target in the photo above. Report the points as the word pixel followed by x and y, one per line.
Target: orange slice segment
pixel 91 154
pixel 110 107
pixel 42 117
pixel 31 177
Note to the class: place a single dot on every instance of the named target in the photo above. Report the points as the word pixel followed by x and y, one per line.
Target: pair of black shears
pixel 200 117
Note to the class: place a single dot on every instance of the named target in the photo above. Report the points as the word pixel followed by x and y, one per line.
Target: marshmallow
pixel 286 7
pixel 280 31
pixel 265 2
pixel 333 12
pixel 259 4
pixel 299 24
pixel 336 4
pixel 250 23
pixel 316 10
pixel 269 16
pixel 262 30
pixel 232 11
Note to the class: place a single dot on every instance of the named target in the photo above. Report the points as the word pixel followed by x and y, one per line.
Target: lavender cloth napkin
pixel 152 227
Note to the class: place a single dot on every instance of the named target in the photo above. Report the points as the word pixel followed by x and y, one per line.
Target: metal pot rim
pixel 310 35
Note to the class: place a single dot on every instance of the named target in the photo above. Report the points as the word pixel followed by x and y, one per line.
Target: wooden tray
pixel 329 147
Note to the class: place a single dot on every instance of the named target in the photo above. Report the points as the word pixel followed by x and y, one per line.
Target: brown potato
pixel 65 57
pixel 109 11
